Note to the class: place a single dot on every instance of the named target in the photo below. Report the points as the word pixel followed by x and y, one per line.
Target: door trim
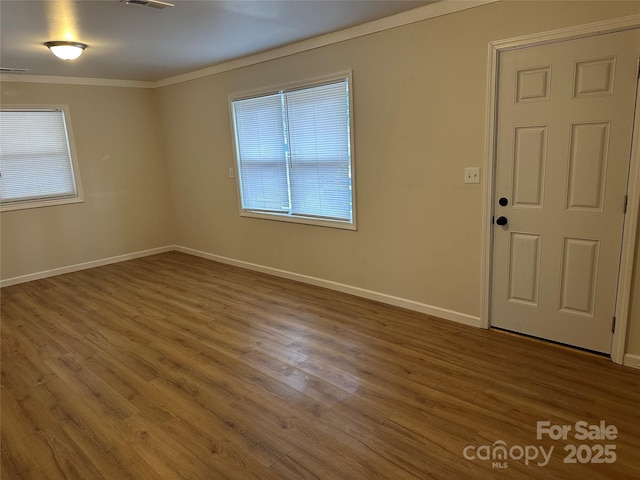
pixel 633 190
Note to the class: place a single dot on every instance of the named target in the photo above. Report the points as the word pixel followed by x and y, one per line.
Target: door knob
pixel 502 221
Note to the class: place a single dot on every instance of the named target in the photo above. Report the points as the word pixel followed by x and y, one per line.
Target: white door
pixel 565 120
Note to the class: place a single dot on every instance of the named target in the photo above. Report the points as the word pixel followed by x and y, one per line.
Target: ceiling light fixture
pixel 66 50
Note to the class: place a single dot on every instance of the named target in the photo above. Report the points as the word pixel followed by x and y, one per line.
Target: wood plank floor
pixel 175 367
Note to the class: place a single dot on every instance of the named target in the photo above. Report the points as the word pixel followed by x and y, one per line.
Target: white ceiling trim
pixel 100 82
pixel 404 18
pixel 426 12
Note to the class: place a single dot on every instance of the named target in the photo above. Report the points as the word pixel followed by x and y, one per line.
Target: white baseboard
pixel 631 360
pixel 83 266
pixel 319 282
pixel 341 287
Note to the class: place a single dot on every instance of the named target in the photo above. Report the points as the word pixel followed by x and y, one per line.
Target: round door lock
pixel 503 202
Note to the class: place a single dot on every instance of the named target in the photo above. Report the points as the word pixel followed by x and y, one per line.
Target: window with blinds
pixel 36 164
pixel 294 155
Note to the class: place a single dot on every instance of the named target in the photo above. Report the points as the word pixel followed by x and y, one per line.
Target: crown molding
pixel 432 10
pixel 52 79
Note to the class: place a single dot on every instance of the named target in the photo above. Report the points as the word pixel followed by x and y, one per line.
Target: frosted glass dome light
pixel 66 50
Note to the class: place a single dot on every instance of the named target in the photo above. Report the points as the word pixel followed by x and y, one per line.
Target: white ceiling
pixel 132 42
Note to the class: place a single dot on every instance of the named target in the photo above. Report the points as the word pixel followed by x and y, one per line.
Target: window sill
pixel 299 219
pixel 7 207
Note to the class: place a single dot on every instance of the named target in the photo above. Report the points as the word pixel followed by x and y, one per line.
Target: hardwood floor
pixel 175 367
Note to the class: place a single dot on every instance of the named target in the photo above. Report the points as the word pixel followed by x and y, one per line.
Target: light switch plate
pixel 472 175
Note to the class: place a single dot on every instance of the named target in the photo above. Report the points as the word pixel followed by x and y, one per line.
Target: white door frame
pixel 633 190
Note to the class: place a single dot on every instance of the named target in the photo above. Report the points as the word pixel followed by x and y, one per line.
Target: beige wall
pixel 420 115
pixel 123 175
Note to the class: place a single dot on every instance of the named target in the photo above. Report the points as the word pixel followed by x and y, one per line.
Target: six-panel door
pixel 565 120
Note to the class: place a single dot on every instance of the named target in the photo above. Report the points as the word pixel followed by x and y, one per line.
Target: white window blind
pixel 293 152
pixel 318 121
pixel 261 154
pixel 35 159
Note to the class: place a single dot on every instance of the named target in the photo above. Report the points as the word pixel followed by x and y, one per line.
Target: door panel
pixel 588 145
pixel 565 119
pixel 579 275
pixel 524 268
pixel 529 159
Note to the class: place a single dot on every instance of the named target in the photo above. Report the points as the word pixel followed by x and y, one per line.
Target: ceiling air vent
pixel 13 70
pixel 148 3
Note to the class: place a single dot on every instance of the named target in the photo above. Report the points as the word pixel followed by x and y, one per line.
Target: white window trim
pixel 38 203
pixel 287 86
